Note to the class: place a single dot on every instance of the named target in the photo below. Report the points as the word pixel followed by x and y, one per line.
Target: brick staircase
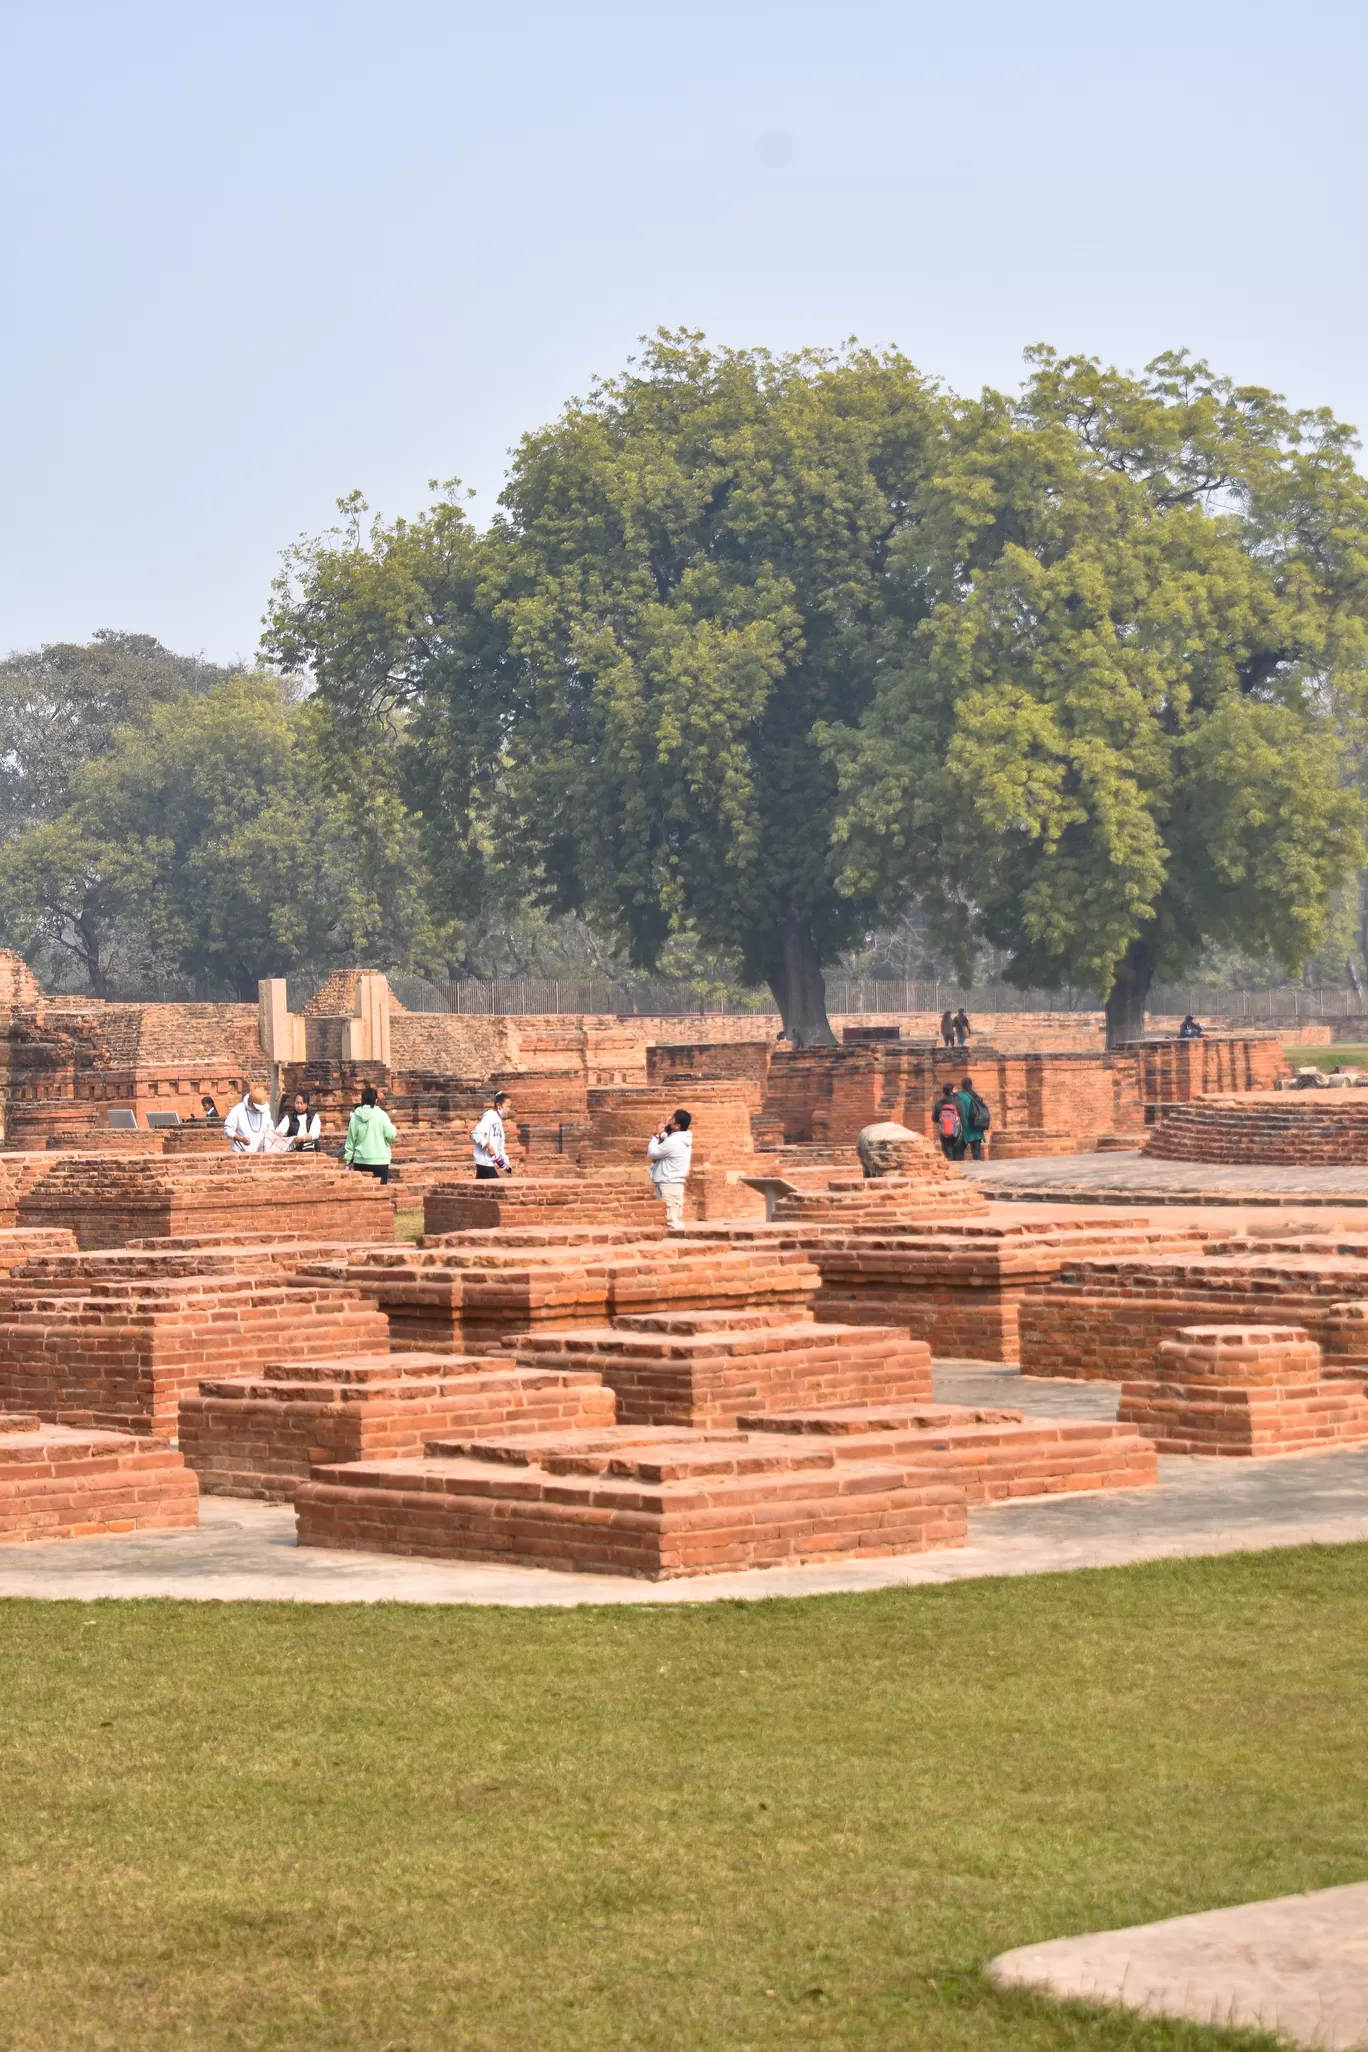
pixel 57 1482
pixel 633 1501
pixel 258 1435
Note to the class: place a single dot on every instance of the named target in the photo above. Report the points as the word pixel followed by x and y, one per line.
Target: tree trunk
pixel 799 986
pixel 89 938
pixel 1126 1005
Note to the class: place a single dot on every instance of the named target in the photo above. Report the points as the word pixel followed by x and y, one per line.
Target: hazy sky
pixel 254 256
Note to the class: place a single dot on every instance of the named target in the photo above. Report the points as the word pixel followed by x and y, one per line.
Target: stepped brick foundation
pixel 122 1353
pixel 107 1202
pixel 883 1200
pixel 627 1200
pixel 258 1435
pixel 960 1287
pixel 633 1502
pixel 19 1244
pixel 1244 1390
pixel 60 1483
pixel 484 1289
pixel 1103 1319
pixel 703 1368
pixel 997 1455
pixel 1311 1129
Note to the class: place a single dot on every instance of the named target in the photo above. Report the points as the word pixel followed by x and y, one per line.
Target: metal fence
pixel 656 999
pixel 1289 1003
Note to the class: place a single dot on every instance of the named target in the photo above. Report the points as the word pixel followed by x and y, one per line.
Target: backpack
pixel 948 1122
pixel 981 1114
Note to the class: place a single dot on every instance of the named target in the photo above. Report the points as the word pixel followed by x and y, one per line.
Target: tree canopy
pixel 612 697
pixel 758 654
pixel 60 706
pixel 231 837
pixel 1120 731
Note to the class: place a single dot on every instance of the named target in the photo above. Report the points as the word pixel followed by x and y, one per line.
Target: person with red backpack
pixel 949 1124
pixel 976 1119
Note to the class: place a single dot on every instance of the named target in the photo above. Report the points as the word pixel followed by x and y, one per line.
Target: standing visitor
pixel 248 1127
pixel 962 1027
pixel 297 1129
pixel 949 1124
pixel 371 1135
pixel 948 1027
pixel 669 1155
pixel 976 1117
pixel 491 1143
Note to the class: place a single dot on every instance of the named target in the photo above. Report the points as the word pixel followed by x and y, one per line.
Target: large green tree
pixel 60 706
pixel 612 697
pixel 1120 730
pixel 234 837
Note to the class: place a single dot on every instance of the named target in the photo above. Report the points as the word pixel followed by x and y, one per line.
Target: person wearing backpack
pixel 976 1116
pixel 949 1124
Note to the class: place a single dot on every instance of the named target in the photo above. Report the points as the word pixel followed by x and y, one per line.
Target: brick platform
pixel 484 1289
pixel 122 1353
pixel 58 1483
pixel 634 1502
pixel 1307 1129
pixel 884 1200
pixel 19 1244
pixel 960 1286
pixel 998 1456
pixel 111 1201
pixel 703 1368
pixel 258 1435
pixel 627 1199
pixel 1103 1319
pixel 1244 1390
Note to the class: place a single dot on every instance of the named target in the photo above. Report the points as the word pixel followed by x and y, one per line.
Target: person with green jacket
pixel 371 1135
pixel 974 1115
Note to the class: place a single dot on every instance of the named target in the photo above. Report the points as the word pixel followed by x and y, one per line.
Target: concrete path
pixel 1131 1178
pixel 1298 1965
pixel 246 1551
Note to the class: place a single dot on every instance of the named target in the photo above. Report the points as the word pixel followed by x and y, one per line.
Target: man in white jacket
pixel 249 1128
pixel 669 1156
pixel 491 1143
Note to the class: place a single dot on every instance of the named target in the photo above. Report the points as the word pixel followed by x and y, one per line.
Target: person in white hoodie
pixel 249 1128
pixel 669 1156
pixel 491 1142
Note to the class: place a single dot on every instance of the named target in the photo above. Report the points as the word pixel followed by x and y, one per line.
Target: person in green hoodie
pixel 371 1135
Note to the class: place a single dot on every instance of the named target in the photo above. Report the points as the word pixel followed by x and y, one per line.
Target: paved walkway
pixel 246 1551
pixel 1123 1177
pixel 1298 1965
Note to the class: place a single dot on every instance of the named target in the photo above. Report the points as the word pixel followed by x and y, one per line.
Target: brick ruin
pixel 587 1090
pixel 1244 1390
pixel 60 1482
pixel 545 1377
pixel 1290 1129
pixel 1105 1314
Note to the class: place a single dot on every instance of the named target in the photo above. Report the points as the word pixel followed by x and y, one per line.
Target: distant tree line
pixel 764 664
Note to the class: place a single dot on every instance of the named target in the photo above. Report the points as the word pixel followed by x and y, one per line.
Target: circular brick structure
pixel 1301 1129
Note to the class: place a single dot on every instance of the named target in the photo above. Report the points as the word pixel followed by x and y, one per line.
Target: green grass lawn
pixel 1326 1057
pixel 705 1826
